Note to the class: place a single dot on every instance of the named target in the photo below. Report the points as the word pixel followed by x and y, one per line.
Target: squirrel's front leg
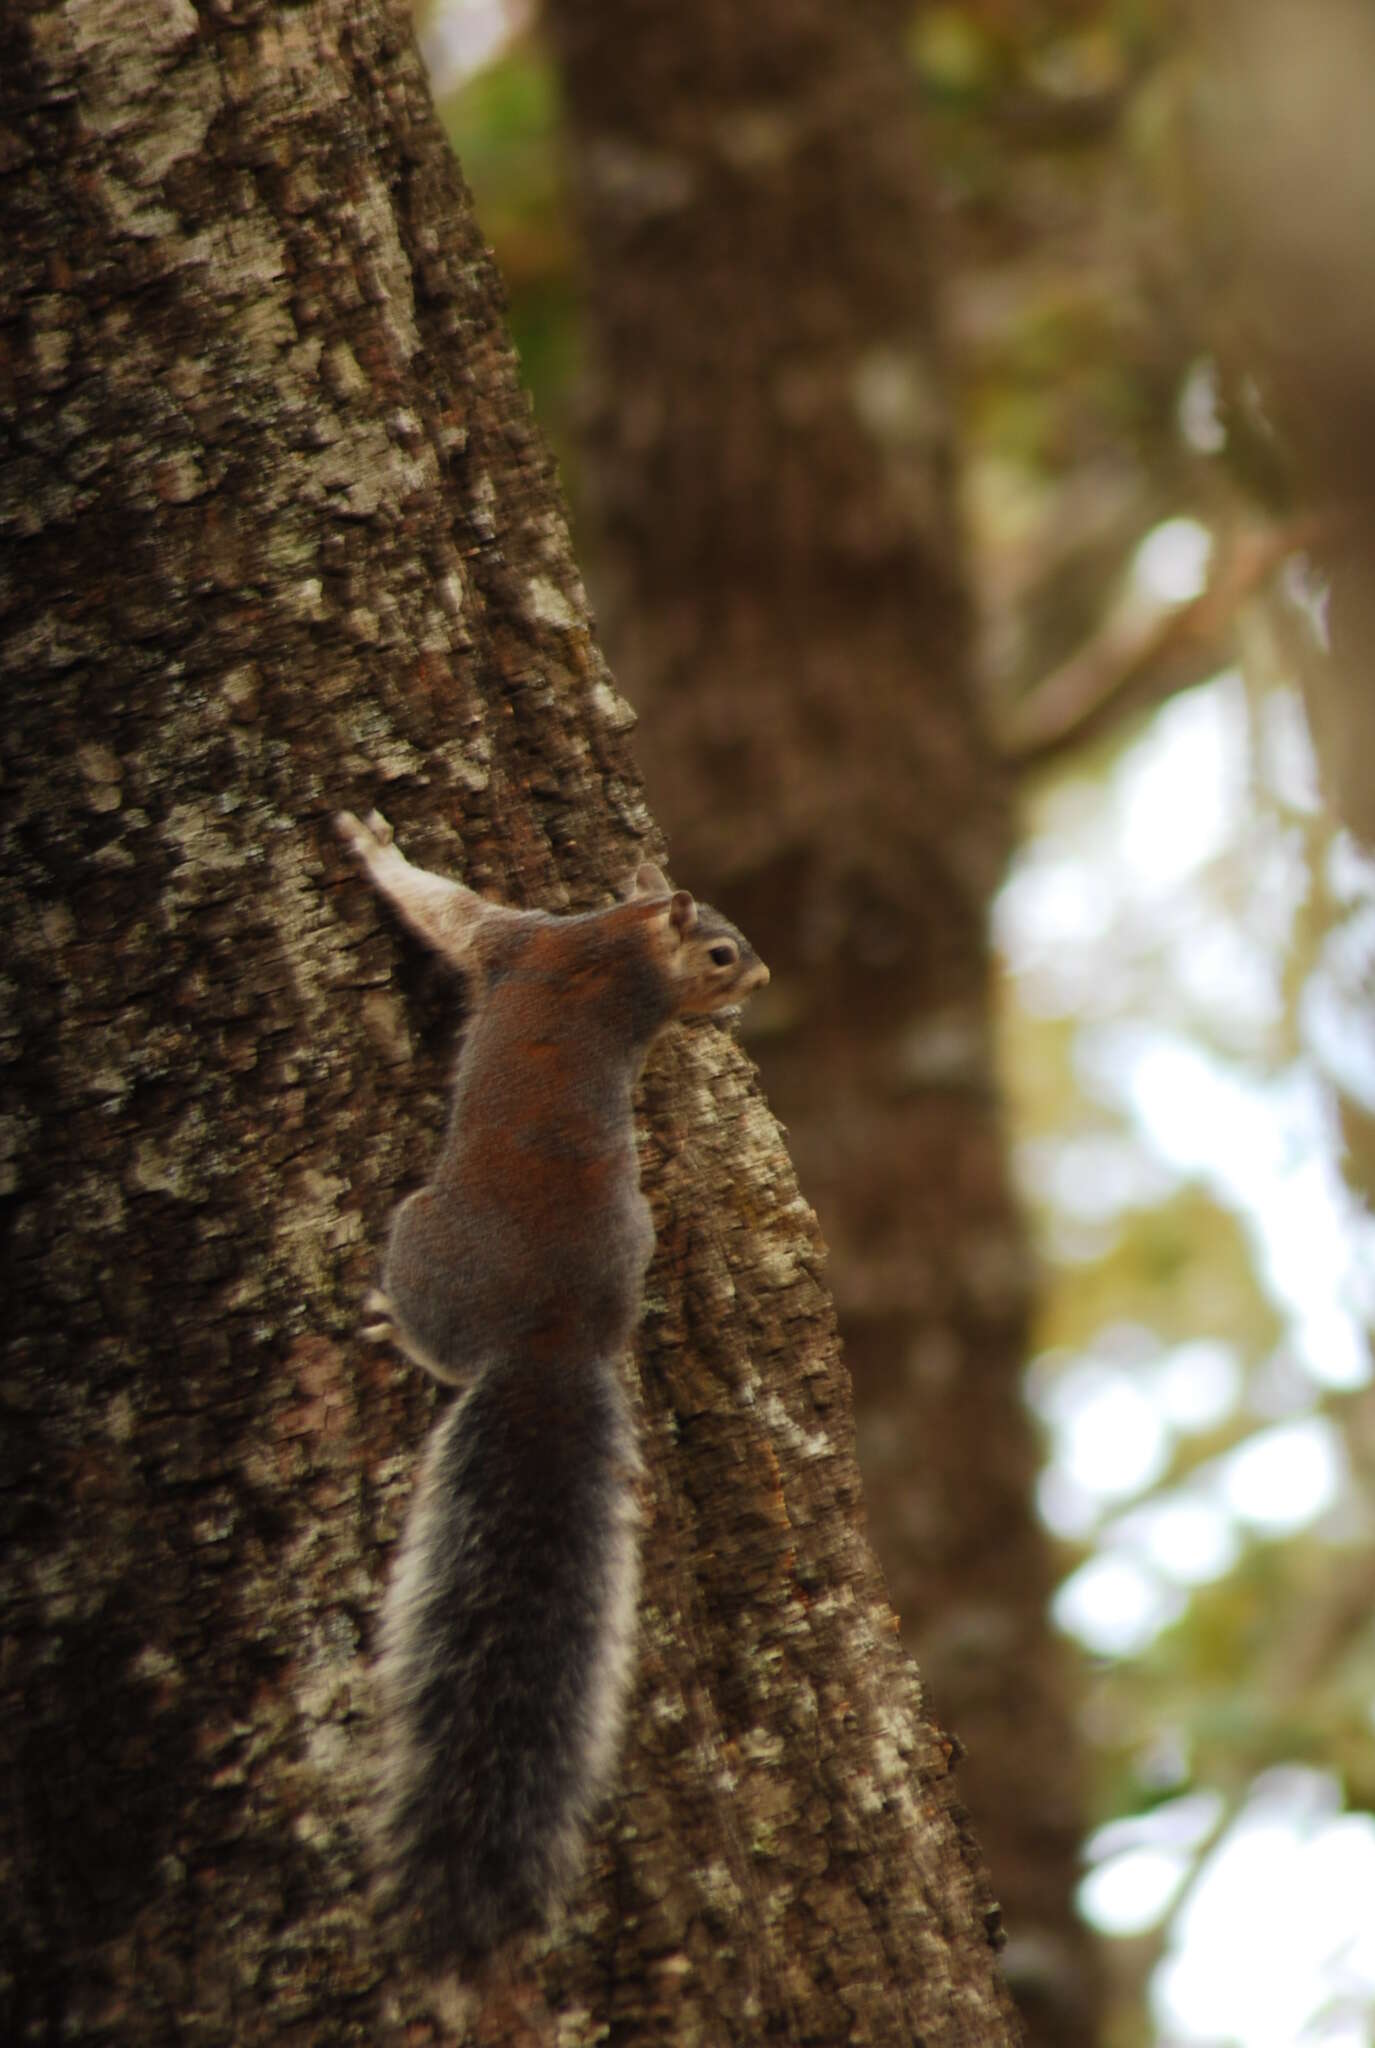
pixel 442 913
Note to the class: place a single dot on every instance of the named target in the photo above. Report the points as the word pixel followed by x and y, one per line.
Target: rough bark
pixel 279 537
pixel 770 490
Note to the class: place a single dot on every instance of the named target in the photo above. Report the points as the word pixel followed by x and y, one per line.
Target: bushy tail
pixel 506 1652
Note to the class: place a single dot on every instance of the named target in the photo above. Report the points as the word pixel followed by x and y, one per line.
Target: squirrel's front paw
pixel 364 838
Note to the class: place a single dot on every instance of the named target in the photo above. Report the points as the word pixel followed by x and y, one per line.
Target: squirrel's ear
pixel 682 913
pixel 648 880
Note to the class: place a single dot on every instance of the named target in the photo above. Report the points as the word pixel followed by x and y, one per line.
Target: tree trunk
pixel 770 483
pixel 280 538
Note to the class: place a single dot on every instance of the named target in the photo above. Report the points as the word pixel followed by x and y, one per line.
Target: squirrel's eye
pixel 723 955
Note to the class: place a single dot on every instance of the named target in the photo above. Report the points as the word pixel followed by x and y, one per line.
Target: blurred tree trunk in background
pixel 770 488
pixel 279 536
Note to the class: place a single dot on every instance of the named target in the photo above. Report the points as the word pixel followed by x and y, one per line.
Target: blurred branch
pixel 1148 648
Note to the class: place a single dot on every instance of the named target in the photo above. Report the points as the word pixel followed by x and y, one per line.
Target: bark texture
pixel 773 524
pixel 278 536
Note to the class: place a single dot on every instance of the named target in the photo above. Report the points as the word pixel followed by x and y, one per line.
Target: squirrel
pixel 507 1637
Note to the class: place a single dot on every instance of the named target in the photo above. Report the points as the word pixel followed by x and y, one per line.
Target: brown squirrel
pixel 507 1632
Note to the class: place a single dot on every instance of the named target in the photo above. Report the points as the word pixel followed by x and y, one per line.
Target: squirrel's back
pixel 532 1230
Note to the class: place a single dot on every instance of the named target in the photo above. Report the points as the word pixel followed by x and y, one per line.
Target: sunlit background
pixel 1188 951
pixel 1188 946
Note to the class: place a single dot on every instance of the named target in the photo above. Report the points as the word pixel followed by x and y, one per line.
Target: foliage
pixel 503 123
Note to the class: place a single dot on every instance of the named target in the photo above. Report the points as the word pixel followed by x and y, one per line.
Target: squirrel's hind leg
pixel 381 1329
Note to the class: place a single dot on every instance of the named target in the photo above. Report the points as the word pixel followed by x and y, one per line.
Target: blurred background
pixel 968 415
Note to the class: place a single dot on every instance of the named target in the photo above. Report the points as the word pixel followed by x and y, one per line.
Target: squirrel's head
pixel 710 965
